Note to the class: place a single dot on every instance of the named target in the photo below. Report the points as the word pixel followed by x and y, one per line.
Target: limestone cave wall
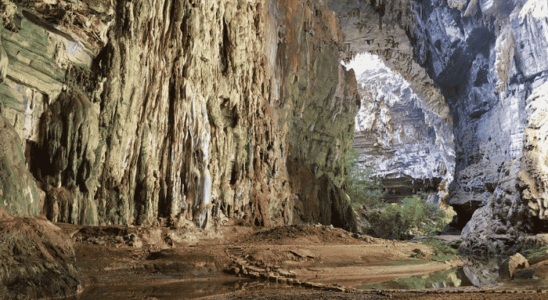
pixel 487 60
pixel 152 112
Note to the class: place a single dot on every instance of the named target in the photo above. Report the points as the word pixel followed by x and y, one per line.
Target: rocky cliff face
pixel 488 59
pixel 154 112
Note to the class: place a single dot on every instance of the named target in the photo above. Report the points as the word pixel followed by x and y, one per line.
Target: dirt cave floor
pixel 241 262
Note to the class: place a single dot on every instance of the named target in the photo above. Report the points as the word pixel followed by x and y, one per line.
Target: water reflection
pixel 454 277
pixel 474 272
pixel 482 271
pixel 174 290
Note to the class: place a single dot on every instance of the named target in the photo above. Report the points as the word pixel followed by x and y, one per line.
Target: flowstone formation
pixel 159 112
pixel 18 191
pixel 488 59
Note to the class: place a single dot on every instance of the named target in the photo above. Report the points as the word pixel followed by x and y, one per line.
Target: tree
pixel 413 216
pixel 363 188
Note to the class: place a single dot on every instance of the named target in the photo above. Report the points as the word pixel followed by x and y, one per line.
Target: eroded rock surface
pixel 18 192
pixel 489 104
pixel 152 112
pixel 487 58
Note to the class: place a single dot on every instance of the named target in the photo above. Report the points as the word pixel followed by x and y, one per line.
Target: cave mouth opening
pixel 406 142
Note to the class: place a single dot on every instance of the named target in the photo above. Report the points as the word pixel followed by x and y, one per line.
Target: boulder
pixel 153 236
pixel 511 265
pixel 36 259
pixel 527 273
pixel 541 270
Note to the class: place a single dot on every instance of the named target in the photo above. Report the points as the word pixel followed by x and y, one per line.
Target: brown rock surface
pixel 189 111
pixel 36 259
pixel 511 265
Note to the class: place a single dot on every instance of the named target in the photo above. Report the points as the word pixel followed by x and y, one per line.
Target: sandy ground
pixel 332 256
pixel 317 295
pixel 239 262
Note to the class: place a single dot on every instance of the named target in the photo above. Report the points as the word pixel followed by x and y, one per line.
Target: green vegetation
pixel 414 215
pixel 442 251
pixel 535 252
pixel 363 188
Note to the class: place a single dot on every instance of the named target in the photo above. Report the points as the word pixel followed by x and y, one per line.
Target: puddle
pixel 473 273
pixel 482 271
pixel 454 277
pixel 412 262
pixel 175 289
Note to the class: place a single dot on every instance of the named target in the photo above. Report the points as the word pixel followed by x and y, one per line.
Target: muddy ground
pixel 241 262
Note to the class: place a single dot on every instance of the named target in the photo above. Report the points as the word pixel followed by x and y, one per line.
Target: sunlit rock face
pixel 381 28
pixel 488 59
pixel 153 112
pixel 397 133
pixel 488 65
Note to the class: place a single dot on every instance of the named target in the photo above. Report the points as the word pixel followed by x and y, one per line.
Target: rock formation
pixel 169 112
pixel 36 259
pixel 17 186
pixel 410 146
pixel 488 59
pixel 160 112
pixel 154 112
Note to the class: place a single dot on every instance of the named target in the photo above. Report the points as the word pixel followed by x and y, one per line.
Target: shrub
pixel 413 216
pixel 363 188
pixel 535 252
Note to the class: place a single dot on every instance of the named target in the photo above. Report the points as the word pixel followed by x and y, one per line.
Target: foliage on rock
pixel 441 250
pixel 18 194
